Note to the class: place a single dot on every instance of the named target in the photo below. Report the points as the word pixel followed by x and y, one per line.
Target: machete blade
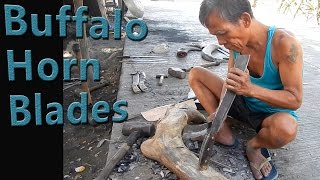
pixel 207 150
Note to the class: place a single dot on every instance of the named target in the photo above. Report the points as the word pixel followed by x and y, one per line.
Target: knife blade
pixel 207 150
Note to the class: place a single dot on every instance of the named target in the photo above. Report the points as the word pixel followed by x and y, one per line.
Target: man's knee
pixel 282 129
pixel 194 75
pixel 287 130
pixel 291 129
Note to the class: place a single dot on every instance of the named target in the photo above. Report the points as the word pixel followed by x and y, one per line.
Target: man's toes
pixel 269 166
pixel 266 169
pixel 257 175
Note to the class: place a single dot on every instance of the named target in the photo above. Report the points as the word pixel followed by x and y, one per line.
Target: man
pixel 268 92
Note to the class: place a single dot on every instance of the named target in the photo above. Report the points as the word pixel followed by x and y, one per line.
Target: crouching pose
pixel 268 92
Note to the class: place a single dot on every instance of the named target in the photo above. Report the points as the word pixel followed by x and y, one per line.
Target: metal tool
pixel 203 65
pixel 142 79
pixel 207 150
pixel 183 52
pixel 161 76
pixel 134 130
pixel 135 82
pixel 177 72
pixel 223 51
pixel 206 52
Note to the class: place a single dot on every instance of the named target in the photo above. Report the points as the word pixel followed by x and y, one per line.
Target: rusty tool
pixel 134 131
pixel 182 73
pixel 207 150
pixel 183 52
pixel 203 65
pixel 161 76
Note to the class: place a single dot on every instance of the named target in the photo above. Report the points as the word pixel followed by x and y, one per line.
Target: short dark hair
pixel 229 10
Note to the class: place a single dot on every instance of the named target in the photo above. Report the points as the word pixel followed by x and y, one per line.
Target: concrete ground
pixel 176 23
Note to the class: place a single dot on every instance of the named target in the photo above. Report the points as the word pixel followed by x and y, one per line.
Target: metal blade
pixel 207 150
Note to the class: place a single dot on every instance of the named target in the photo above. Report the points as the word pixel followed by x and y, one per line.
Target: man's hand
pixel 211 117
pixel 239 82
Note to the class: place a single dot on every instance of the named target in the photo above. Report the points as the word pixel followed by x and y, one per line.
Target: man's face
pixel 233 36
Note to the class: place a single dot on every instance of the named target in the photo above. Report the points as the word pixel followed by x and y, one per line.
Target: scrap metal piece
pixel 207 150
pixel 206 53
pixel 161 48
pixel 142 79
pixel 138 80
pixel 135 82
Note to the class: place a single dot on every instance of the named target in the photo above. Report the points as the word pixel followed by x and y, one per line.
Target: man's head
pixel 229 20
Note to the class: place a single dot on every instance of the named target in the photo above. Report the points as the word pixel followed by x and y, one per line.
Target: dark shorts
pixel 241 112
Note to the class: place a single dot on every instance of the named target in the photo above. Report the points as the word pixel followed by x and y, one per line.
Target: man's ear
pixel 245 19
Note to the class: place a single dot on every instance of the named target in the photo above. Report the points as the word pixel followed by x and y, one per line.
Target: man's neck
pixel 259 36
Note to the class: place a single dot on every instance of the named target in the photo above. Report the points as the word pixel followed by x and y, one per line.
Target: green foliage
pixel 308 8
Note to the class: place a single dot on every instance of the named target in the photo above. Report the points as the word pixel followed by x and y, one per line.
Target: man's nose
pixel 221 41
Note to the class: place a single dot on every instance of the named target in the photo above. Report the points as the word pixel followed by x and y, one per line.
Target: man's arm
pixel 290 63
pixel 288 53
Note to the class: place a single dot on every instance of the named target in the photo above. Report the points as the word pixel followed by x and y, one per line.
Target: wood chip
pixel 101 142
pixel 79 169
pixel 227 170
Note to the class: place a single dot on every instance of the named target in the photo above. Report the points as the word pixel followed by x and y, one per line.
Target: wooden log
pixel 167 147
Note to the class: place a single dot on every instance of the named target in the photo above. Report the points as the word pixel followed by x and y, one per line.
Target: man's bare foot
pixel 256 159
pixel 224 136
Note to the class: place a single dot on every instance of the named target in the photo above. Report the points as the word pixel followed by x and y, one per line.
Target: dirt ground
pixel 87 145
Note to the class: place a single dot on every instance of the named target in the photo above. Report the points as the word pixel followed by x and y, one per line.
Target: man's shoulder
pixel 283 37
pixel 284 42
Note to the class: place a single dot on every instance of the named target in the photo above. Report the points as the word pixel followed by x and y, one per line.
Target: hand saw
pixel 207 150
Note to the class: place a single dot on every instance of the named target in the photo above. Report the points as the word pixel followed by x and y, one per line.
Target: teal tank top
pixel 270 79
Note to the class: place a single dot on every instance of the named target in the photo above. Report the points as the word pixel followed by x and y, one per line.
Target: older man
pixel 268 92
